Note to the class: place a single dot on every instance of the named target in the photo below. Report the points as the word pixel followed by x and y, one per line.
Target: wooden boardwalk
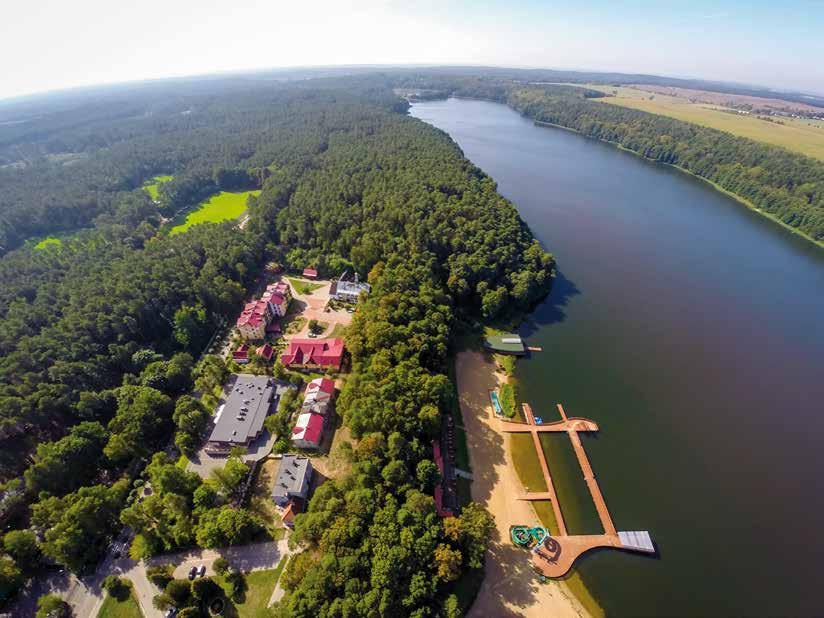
pixel 557 555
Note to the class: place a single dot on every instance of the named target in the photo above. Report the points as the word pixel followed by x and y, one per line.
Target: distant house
pixel 348 291
pixel 292 480
pixel 310 273
pixel 318 396
pixel 240 419
pixel 278 295
pixel 241 355
pixel 308 431
pixel 313 354
pixel 506 343
pixel 266 352
pixel 438 494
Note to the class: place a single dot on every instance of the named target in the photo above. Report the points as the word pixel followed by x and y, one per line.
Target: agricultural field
pixel 217 208
pixel 152 185
pixel 796 134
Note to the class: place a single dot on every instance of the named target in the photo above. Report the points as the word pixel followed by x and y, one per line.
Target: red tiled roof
pixel 324 385
pixel 266 351
pixel 309 429
pixel 242 353
pixel 321 352
pixel 310 272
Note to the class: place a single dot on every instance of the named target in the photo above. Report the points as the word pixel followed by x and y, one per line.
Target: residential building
pixel 239 420
pixel 348 291
pixel 310 273
pixel 318 396
pixel 308 431
pixel 278 296
pixel 254 319
pixel 313 354
pixel 292 480
pixel 266 352
pixel 241 355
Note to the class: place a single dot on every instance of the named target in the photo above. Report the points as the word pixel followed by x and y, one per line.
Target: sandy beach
pixel 510 587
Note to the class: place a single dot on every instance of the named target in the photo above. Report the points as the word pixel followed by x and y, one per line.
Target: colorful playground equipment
pixel 531 538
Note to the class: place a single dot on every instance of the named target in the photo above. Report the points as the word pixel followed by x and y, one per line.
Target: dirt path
pixel 511 587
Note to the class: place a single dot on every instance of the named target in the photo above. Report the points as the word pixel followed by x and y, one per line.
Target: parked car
pixel 202 570
pixel 171 612
pixel 192 572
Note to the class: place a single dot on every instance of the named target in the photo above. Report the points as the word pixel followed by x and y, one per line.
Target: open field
pixel 255 599
pixel 152 185
pixel 49 241
pixel 797 134
pixel 127 608
pixel 217 208
pixel 302 287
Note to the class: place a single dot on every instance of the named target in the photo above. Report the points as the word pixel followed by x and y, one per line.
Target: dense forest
pixel 100 336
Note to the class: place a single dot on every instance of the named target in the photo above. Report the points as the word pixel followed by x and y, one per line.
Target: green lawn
pixel 461 450
pixel 48 241
pixel 526 462
pixel 152 185
pixel 217 208
pixel 255 600
pixel 304 287
pixel 339 331
pixel 112 608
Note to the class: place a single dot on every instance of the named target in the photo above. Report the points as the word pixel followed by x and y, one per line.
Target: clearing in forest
pixel 152 185
pixel 220 207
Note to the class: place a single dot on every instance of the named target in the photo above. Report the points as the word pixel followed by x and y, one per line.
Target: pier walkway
pixel 556 556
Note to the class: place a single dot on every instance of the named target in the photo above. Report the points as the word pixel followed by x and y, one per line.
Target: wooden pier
pixel 557 555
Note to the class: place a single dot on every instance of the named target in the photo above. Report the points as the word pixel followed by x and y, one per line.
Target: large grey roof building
pixel 240 419
pixel 292 480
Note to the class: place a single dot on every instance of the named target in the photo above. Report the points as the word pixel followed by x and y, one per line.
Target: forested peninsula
pixel 101 336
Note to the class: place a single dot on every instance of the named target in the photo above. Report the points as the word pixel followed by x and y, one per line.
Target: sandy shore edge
pixel 510 587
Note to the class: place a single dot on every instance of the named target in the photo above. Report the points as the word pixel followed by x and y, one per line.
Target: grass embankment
pixel 797 135
pixel 304 287
pixel 217 208
pixel 153 184
pixel 114 608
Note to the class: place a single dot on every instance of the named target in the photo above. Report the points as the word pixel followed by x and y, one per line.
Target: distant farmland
pixel 218 208
pixel 798 135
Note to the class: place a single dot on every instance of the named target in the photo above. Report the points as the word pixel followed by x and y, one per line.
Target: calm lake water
pixel 692 331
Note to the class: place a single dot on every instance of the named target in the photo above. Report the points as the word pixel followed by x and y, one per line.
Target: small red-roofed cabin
pixel 266 352
pixel 241 355
pixel 310 273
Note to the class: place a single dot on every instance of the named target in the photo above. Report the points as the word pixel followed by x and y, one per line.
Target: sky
pixel 55 44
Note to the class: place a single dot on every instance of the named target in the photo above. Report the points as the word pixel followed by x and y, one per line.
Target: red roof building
pixel 308 431
pixel 314 354
pixel 265 351
pixel 439 507
pixel 310 273
pixel 254 318
pixel 241 355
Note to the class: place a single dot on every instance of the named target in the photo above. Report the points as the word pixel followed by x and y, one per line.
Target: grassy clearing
pixel 48 241
pixel 304 288
pixel 798 135
pixel 526 462
pixel 543 509
pixel 507 399
pixel 254 601
pixel 153 184
pixel 127 608
pixel 217 208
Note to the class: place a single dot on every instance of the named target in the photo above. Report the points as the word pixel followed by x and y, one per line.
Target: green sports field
pixel 217 208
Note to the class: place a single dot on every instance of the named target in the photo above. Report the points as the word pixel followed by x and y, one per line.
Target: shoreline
pixel 741 200
pixel 510 586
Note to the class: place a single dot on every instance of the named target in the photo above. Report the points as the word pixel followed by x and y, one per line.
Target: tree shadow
pixel 553 309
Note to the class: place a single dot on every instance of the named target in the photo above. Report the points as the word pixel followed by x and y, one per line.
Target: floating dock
pixel 557 554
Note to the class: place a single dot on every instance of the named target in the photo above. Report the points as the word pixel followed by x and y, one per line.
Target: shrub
pixel 507 393
pixel 117 587
pixel 159 575
pixel 221 565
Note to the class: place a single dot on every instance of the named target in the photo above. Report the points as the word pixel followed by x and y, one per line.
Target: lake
pixel 691 329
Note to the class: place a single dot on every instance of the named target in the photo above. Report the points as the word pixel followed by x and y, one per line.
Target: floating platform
pixel 637 541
